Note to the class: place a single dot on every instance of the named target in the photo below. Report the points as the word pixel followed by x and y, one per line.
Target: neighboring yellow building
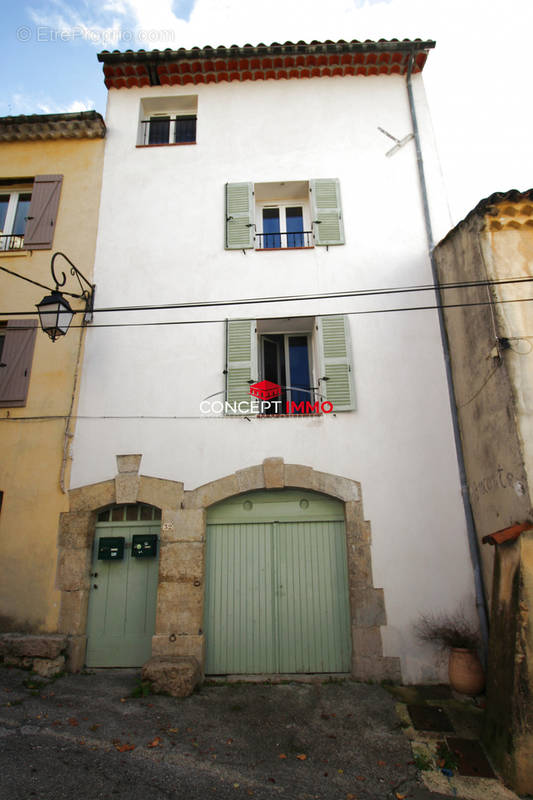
pixel 50 176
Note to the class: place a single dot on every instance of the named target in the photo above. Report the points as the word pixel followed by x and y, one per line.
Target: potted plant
pixel 456 634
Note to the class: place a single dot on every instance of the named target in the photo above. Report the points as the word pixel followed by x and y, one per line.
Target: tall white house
pixel 264 473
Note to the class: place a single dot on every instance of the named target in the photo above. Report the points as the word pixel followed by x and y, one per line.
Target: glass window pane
pixel 299 369
pixel 271 229
pixel 103 516
pixel 159 130
pixel 185 129
pixel 146 512
pixel 132 513
pixel 117 514
pixel 295 225
pixel 157 513
pixel 4 202
pixel 23 208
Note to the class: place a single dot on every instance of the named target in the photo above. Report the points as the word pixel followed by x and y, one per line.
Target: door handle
pixel 95 586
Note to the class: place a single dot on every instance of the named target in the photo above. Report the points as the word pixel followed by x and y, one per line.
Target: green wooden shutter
pixel 239 216
pixel 241 359
pixel 326 211
pixel 336 362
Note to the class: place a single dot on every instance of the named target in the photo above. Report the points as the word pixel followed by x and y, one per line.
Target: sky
pixel 477 79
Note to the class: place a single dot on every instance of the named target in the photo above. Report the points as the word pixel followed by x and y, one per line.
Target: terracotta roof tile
pixel 507 534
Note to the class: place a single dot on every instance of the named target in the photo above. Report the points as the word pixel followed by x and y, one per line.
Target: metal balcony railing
pixel 168 130
pixel 283 241
pixel 11 241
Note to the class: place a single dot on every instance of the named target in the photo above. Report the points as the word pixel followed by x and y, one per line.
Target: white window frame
pixel 282 207
pixel 7 232
pixel 172 107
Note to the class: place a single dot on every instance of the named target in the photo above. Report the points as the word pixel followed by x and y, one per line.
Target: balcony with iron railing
pixel 168 130
pixel 11 241
pixel 300 240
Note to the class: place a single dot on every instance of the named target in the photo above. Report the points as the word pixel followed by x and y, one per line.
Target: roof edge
pixel 381 45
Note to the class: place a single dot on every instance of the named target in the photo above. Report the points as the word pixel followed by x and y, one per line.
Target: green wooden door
pixel 277 585
pixel 122 601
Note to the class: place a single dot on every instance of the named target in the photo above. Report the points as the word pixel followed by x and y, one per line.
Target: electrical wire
pixel 298 316
pixel 297 298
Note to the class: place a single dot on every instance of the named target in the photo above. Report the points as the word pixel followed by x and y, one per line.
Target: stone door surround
pixel 179 620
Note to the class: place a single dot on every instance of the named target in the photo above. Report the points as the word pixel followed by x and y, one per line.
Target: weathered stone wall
pixel 484 397
pixel 44 654
pixel 508 732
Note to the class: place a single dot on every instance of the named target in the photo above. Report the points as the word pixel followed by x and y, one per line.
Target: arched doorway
pixel 123 588
pixel 277 598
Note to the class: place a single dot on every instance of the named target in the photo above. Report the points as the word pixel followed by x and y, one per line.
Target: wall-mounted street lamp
pixel 55 313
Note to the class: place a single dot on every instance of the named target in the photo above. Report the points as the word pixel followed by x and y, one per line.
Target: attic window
pixel 167 120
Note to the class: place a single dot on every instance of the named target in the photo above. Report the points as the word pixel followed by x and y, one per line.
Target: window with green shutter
pixel 326 211
pixel 280 351
pixel 336 373
pixel 283 215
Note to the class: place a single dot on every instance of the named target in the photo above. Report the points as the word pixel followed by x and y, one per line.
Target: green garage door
pixel 277 585
pixel 123 595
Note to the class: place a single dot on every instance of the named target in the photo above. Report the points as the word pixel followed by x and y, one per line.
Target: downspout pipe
pixel 470 526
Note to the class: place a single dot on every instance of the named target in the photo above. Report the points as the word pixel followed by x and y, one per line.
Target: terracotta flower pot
pixel 465 671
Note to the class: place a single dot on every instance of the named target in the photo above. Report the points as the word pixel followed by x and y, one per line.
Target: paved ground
pixel 85 736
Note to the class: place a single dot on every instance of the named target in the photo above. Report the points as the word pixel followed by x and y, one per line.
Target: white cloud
pixel 28 104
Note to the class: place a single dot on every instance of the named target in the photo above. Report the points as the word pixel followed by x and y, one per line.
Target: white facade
pixel 161 241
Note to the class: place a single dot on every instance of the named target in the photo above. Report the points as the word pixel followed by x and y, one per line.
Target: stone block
pixel 76 529
pixel 183 526
pixel 179 608
pixel 368 668
pixel 366 643
pixel 76 647
pixel 211 493
pixel 160 493
pixel 182 562
pixel 274 472
pixel 23 645
pixel 17 661
pixel 172 645
pixel 73 568
pixel 353 514
pixel 299 476
pixel 368 608
pixel 336 486
pixel 126 488
pixel 73 612
pixel 250 478
pixel 48 667
pixel 96 495
pixel 177 676
pixel 129 463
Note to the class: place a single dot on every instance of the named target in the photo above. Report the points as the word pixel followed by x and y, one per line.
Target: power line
pixel 298 316
pixel 299 298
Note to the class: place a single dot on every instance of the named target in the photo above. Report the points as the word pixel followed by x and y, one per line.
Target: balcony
pixel 11 241
pixel 300 240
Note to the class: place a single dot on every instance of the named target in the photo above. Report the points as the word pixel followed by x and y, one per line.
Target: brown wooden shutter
pixel 43 212
pixel 17 356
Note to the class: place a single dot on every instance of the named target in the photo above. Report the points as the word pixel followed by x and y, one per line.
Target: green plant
pixel 447 630
pixel 143 689
pixel 446 758
pixel 34 686
pixel 422 761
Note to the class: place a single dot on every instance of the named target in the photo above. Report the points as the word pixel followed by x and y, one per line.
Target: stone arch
pixel 180 598
pixel 181 591
pixel 76 535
